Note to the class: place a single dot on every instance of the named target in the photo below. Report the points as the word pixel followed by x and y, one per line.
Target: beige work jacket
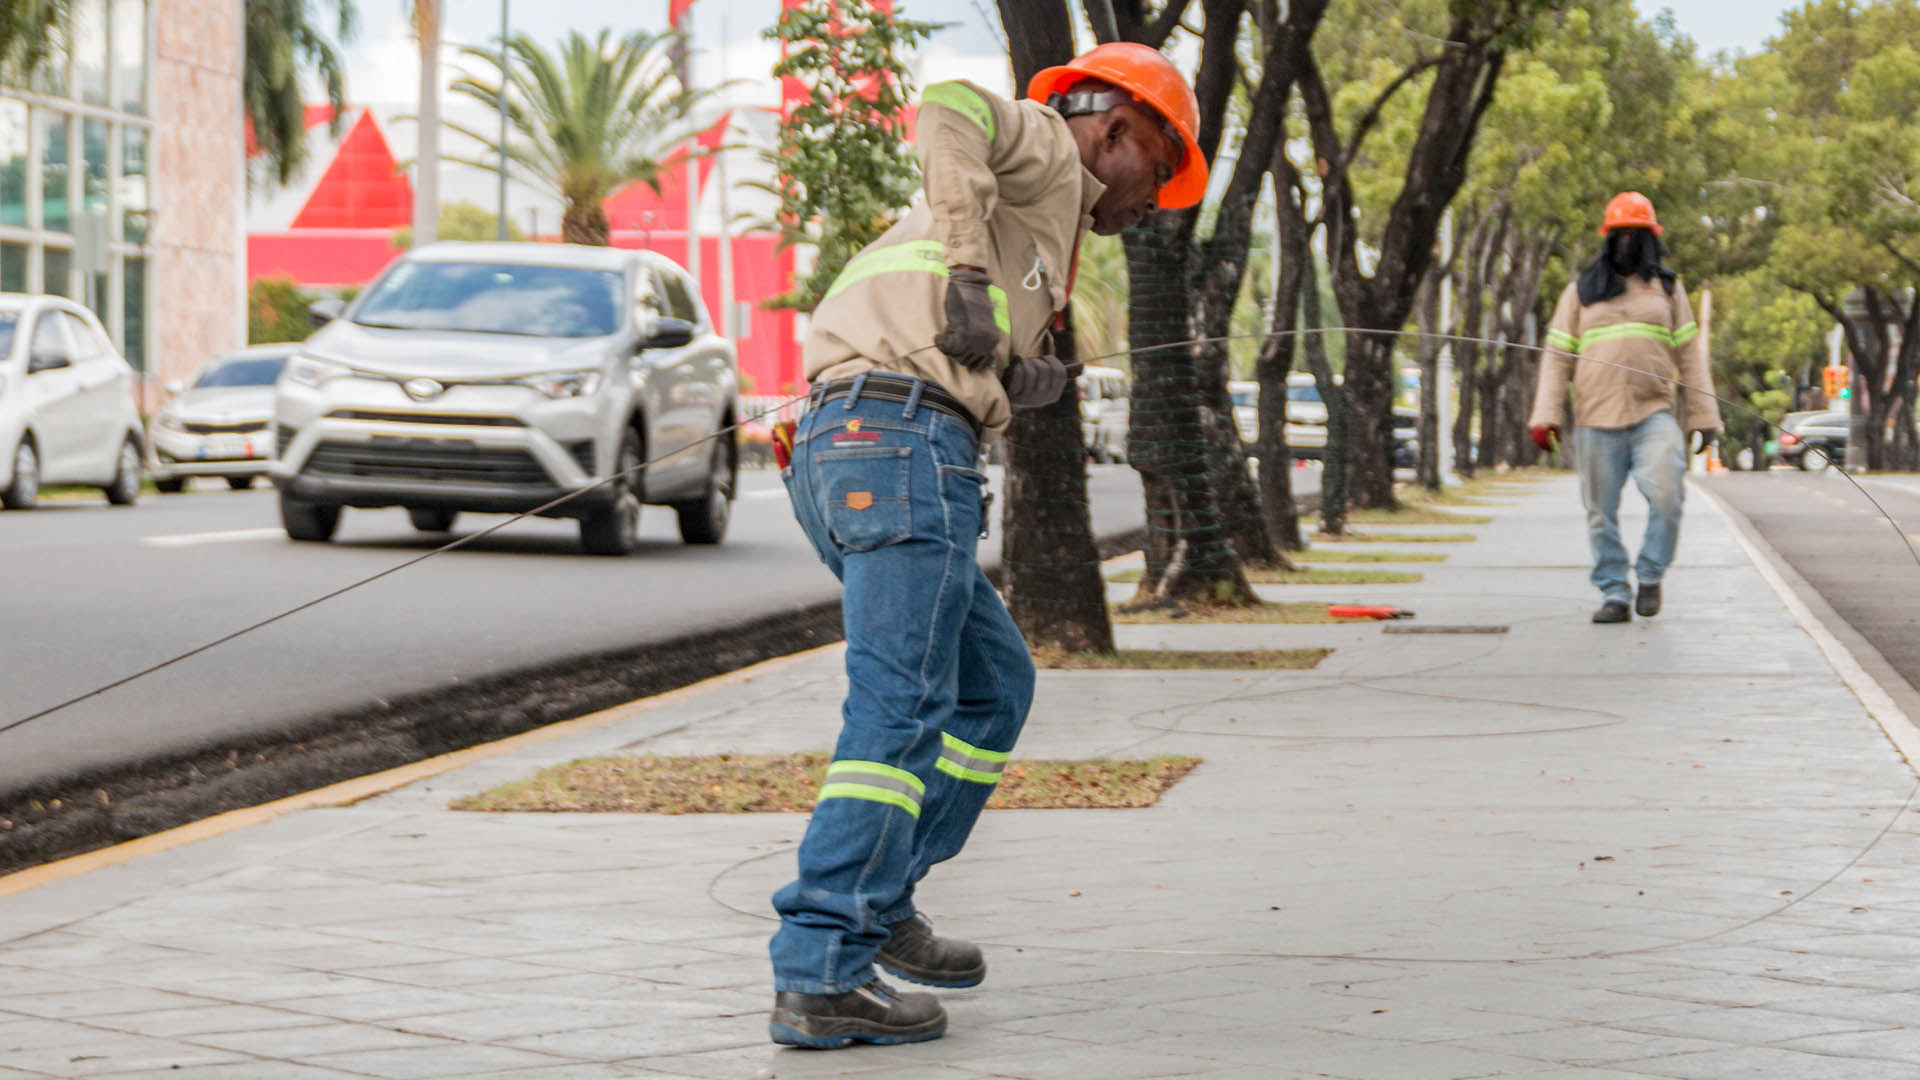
pixel 1629 356
pixel 1005 191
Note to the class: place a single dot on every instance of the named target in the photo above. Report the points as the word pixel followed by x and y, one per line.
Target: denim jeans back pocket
pixel 866 495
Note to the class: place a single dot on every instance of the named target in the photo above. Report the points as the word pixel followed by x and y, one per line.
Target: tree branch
pixel 1372 116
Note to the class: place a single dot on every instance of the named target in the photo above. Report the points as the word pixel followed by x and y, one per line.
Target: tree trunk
pixel 1055 591
pixel 1333 461
pixel 582 223
pixel 1276 363
pixel 1427 305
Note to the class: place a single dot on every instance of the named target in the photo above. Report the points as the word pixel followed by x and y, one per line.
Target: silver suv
pixel 498 377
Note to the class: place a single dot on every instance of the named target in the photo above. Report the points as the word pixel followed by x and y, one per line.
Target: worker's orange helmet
pixel 1154 82
pixel 1630 210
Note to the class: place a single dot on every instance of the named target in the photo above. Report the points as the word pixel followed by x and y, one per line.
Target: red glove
pixel 1546 437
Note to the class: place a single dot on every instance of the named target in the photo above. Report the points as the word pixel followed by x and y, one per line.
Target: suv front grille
pixel 398 416
pixel 426 459
pixel 197 428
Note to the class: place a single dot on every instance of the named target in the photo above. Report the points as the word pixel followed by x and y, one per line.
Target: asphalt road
pixel 93 594
pixel 1845 547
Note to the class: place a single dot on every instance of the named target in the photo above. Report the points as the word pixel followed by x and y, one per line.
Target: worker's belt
pixel 901 388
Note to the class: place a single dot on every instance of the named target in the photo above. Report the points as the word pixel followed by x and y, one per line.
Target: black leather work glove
pixel 1702 438
pixel 1034 382
pixel 971 338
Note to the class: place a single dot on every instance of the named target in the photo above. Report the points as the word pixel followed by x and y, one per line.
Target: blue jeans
pixel 939 679
pixel 1655 453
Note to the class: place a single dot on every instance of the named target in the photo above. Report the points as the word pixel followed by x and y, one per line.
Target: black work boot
pixel 914 954
pixel 1611 612
pixel 1647 603
pixel 875 1013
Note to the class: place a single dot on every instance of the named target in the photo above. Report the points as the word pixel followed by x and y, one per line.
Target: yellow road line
pixel 351 791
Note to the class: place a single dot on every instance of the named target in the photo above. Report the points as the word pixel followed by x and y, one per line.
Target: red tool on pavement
pixel 1367 611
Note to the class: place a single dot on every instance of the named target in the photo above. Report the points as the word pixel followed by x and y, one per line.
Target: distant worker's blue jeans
pixel 939 679
pixel 1654 453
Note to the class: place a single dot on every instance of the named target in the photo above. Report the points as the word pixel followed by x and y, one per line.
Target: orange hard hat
pixel 1153 81
pixel 1630 210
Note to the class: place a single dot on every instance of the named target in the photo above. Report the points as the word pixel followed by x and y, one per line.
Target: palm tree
pixel 282 36
pixel 585 122
pixel 425 15
pixel 31 31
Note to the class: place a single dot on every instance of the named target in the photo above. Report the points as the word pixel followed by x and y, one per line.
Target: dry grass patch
pixel 1409 514
pixel 1395 538
pixel 787 783
pixel 1289 614
pixel 1182 660
pixel 1332 555
pixel 1305 576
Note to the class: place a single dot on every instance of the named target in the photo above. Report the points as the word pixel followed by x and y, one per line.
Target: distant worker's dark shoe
pixel 915 954
pixel 1647 603
pixel 875 1013
pixel 1612 611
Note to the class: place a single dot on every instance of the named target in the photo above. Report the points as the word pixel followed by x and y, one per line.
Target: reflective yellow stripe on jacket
pixel 1560 339
pixel 915 256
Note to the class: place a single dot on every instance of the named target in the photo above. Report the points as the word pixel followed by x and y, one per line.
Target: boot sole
pixel 945 980
pixel 824 1033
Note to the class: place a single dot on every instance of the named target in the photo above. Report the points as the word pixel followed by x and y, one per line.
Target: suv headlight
pixel 565 384
pixel 312 371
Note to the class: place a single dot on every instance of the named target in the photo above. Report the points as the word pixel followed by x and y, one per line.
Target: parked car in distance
pixel 1105 404
pixel 66 404
pixel 1306 414
pixel 500 377
pixel 1814 440
pixel 217 424
pixel 1406 437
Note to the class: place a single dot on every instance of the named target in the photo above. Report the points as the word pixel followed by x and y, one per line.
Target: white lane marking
pixel 232 536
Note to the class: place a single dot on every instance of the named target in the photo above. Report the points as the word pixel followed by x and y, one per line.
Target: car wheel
pixel 170 487
pixel 308 521
pixel 126 476
pixel 24 491
pixel 239 483
pixel 705 521
pixel 614 529
pixel 1817 459
pixel 428 519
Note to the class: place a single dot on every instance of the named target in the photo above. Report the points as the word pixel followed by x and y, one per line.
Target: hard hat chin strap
pixel 1077 101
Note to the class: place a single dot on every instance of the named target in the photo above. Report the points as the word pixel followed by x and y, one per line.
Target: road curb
pixel 1887 697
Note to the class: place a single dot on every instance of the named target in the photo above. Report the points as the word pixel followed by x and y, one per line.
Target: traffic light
pixel 1836 381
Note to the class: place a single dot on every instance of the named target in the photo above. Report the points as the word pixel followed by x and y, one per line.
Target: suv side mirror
pixel 668 333
pixel 44 361
pixel 322 312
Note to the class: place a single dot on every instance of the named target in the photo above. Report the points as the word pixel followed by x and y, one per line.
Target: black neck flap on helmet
pixel 1626 251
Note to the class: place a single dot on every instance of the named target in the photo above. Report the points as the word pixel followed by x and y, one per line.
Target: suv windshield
pixel 248 371
pixel 495 298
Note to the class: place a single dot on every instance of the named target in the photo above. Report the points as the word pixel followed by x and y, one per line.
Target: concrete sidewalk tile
pixel 1900 1044
pixel 205 1019
pixel 78 1004
pixel 58 1048
pixel 422 1063
pixel 386 1003
pixel 323 1038
pixel 663 1031
pixel 1765 1063
pixel 749 1061
pixel 1589 1044
pixel 245 1070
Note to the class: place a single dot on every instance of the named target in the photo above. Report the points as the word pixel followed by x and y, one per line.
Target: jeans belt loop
pixel 913 399
pixel 853 396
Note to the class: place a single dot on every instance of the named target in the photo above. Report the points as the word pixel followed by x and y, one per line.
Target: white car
pixel 1105 406
pixel 1306 414
pixel 66 404
pixel 512 378
pixel 217 425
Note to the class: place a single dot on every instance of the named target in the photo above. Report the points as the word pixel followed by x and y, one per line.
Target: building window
pixel 51 77
pixel 130 55
pixel 133 184
pixel 93 149
pixel 55 210
pixel 13 162
pixel 90 51
pixel 13 267
pixel 56 272
pixel 133 312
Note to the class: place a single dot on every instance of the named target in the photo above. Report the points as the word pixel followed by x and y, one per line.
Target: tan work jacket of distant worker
pixel 1628 356
pixel 1005 191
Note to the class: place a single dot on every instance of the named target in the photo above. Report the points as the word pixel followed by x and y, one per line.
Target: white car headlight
pixel 565 384
pixel 312 371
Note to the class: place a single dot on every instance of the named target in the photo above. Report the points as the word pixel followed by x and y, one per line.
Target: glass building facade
pixel 75 188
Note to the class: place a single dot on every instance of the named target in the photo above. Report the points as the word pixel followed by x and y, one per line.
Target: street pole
pixel 683 64
pixel 503 121
pixel 502 223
